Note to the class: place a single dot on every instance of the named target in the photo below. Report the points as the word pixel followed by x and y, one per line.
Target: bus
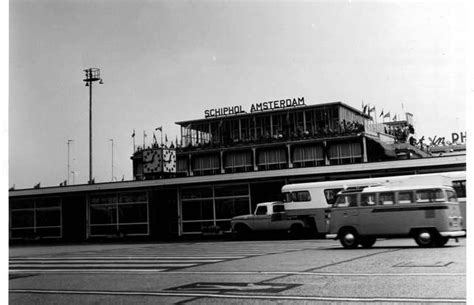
pixel 429 214
pixel 313 200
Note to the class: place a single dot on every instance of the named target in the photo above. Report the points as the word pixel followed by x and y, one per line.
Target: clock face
pixel 169 161
pixel 152 161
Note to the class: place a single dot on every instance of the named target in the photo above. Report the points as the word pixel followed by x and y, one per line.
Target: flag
pixel 154 138
pixel 387 115
pixel 133 134
pixel 166 138
pixel 159 128
pixel 381 113
pixel 365 109
pixel 395 117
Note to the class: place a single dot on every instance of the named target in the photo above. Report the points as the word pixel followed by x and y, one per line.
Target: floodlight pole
pixel 92 75
pixel 112 140
pixel 68 171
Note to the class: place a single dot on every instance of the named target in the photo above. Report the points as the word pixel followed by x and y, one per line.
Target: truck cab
pixel 268 216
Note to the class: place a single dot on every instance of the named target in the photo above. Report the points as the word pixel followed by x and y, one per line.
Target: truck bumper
pixel 331 236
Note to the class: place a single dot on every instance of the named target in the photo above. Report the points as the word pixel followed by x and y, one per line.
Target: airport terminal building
pixel 223 165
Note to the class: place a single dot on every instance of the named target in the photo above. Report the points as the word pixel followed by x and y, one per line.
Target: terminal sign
pixel 257 107
pixel 442 141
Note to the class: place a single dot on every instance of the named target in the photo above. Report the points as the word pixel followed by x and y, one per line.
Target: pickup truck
pixel 268 216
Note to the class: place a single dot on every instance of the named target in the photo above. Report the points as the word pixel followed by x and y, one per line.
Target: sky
pixel 168 61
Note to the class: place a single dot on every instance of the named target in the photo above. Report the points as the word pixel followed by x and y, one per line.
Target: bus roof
pixel 435 178
pixel 391 188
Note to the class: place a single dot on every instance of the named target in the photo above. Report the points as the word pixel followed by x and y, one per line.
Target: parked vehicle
pixel 268 216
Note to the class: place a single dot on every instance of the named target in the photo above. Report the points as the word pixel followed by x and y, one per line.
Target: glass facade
pixel 345 153
pixel 36 218
pixel 118 214
pixel 213 206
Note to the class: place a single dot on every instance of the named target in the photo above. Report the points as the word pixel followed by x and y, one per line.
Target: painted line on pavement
pixel 241 296
pixel 102 261
pixel 125 257
pixel 71 266
pixel 168 271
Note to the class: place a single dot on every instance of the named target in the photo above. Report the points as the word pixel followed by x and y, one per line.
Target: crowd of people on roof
pixel 406 135
pixel 344 128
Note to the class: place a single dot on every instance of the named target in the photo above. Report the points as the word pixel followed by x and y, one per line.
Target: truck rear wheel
pixel 296 231
pixel 349 238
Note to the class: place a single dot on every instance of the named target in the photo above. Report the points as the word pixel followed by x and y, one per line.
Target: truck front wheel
pixel 241 231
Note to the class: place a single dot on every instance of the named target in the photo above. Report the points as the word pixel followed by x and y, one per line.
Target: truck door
pixel 262 218
pixel 279 220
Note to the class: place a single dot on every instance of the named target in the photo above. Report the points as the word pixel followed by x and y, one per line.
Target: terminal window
pixel 118 214
pixel 36 218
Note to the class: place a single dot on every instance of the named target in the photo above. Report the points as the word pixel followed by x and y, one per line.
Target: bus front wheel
pixel 425 238
pixel 349 239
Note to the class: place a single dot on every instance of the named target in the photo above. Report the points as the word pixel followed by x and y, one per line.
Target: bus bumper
pixel 453 233
pixel 331 236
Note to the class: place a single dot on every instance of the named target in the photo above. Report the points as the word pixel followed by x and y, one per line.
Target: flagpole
pixel 133 137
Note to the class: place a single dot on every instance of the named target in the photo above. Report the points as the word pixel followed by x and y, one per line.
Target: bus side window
pixel 330 195
pixel 367 199
pixel 386 198
pixel 287 197
pixel 422 196
pixel 452 196
pixel 437 195
pixel 405 197
pixel 346 201
pixel 460 188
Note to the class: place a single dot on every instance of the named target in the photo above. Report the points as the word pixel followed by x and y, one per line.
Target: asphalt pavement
pixel 234 272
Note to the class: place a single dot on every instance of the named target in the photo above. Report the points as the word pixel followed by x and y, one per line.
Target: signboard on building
pixel 257 107
pixel 456 138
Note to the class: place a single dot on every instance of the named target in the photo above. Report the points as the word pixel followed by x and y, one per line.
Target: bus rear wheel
pixel 349 239
pixel 441 241
pixel 367 242
pixel 425 238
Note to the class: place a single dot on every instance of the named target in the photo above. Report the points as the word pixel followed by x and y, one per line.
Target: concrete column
pixel 288 148
pixel 364 149
pixel 254 154
pixel 190 165
pixel 222 161
pixel 326 159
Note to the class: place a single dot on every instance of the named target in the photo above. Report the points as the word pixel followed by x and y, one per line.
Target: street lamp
pixel 112 141
pixel 68 170
pixel 92 75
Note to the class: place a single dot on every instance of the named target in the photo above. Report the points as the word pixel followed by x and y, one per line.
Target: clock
pixel 152 161
pixel 169 160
